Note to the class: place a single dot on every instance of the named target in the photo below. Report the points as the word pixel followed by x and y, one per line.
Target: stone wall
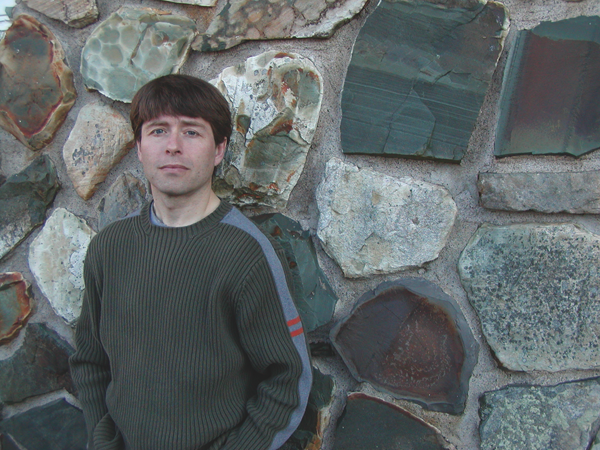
pixel 475 276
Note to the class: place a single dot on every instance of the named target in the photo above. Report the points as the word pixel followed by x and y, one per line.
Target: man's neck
pixel 182 211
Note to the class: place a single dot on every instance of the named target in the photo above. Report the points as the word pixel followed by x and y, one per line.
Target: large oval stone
pixel 126 195
pixel 371 223
pixel 536 290
pixel 56 258
pixel 100 138
pixel 132 47
pixel 410 339
pixel 276 100
pixel 36 86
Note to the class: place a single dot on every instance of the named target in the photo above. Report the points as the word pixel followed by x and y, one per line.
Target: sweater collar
pixel 199 227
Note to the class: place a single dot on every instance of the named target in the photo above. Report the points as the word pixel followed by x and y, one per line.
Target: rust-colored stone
pixel 36 86
pixel 407 338
pixel 15 305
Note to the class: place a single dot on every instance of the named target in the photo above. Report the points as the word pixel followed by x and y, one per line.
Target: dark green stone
pixel 310 431
pixel 549 103
pixel 24 198
pixel 371 423
pixel 418 76
pixel 314 296
pixel 54 426
pixel 39 366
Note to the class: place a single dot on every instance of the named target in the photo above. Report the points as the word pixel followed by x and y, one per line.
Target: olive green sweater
pixel 188 338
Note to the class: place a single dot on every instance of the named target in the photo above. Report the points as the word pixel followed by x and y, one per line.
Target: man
pixel 188 337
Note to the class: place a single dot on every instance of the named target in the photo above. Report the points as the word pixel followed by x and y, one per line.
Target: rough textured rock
pixel 371 223
pixel 15 305
pixel 418 76
pixel 24 198
pixel 100 138
pixel 39 366
pixel 572 192
pixel 548 103
pixel 309 435
pixel 54 426
pixel 244 20
pixel 36 86
pixel 562 417
pixel 314 297
pixel 132 47
pixel 194 2
pixel 371 423
pixel 276 99
pixel 536 290
pixel 56 260
pixel 126 195
pixel 410 339
pixel 75 13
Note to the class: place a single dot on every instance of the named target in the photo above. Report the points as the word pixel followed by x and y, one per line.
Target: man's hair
pixel 181 95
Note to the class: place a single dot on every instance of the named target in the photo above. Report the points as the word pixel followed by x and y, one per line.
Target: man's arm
pixel 90 367
pixel 273 339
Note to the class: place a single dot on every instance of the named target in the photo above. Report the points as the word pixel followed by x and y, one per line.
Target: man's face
pixel 179 154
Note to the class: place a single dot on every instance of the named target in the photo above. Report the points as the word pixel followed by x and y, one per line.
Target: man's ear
pixel 139 154
pixel 220 152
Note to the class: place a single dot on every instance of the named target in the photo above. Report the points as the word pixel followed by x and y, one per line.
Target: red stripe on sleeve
pixel 293 321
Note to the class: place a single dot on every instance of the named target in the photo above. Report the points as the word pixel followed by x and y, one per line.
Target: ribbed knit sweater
pixel 188 338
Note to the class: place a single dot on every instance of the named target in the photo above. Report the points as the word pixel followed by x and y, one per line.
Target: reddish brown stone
pixel 15 304
pixel 409 339
pixel 36 86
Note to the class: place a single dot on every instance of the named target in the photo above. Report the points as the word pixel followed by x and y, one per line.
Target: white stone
pixel 100 138
pixel 276 99
pixel 56 258
pixel 75 13
pixel 371 223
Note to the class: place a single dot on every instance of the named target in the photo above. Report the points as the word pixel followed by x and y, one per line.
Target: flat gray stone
pixel 276 100
pixel 133 46
pixel 245 20
pixel 56 258
pixel 75 13
pixel 100 138
pixel 39 366
pixel 370 223
pixel 562 417
pixel 194 2
pixel 126 195
pixel 536 290
pixel 571 192
pixel 24 198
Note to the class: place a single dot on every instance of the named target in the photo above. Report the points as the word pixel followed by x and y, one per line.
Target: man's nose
pixel 173 144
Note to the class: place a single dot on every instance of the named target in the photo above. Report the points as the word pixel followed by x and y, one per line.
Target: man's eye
pixel 191 133
pixel 158 131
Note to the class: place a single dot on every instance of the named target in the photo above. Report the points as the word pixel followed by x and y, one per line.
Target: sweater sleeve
pixel 90 366
pixel 272 337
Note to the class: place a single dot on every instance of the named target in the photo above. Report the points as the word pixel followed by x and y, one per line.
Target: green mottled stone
pixel 418 76
pixel 39 366
pixel 561 417
pixel 24 198
pixel 371 423
pixel 55 426
pixel 314 297
pixel 549 102
pixel 132 47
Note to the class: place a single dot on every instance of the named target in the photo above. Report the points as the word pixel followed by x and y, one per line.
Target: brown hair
pixel 181 95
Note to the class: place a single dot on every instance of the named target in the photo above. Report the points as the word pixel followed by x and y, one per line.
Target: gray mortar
pixel 331 56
